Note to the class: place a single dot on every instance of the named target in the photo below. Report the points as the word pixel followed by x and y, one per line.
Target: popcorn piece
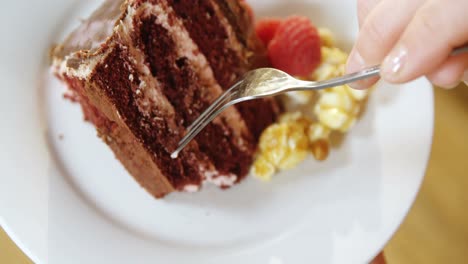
pixel 318 131
pixel 293 159
pixel 335 99
pixel 297 137
pixel 334 118
pixel 334 56
pixel 300 97
pixel 277 154
pixel 357 95
pixel 333 61
pixel 324 72
pixel 327 37
pixel 339 107
pixel 274 136
pixel 320 149
pixel 263 169
pixel 342 89
pixel 294 117
pixel 348 125
pixel 283 145
pixel 340 70
pixel 319 137
pixel 357 109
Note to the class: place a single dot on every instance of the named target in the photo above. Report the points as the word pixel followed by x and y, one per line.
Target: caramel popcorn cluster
pixel 286 143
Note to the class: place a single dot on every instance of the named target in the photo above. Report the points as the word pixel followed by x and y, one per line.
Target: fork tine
pixel 223 99
pixel 202 124
pixel 210 109
pixel 219 106
pixel 207 115
pixel 205 118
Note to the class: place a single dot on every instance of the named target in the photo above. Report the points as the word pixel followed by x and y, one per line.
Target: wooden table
pixel 436 229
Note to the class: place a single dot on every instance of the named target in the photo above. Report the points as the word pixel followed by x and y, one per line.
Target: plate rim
pixel 33 257
pixel 22 243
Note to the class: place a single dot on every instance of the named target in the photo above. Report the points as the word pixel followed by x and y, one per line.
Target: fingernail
pixel 450 86
pixel 465 77
pixel 355 63
pixel 394 63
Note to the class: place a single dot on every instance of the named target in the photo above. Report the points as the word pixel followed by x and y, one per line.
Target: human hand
pixel 411 38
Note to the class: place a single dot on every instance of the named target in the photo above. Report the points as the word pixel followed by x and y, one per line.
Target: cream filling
pixel 232 37
pixel 147 93
pixel 186 47
pixel 215 178
pixel 70 58
pixel 83 37
pixel 62 67
pixel 223 180
pixel 191 188
pixel 95 30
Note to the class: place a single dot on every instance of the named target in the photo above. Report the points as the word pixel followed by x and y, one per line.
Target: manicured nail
pixel 394 63
pixel 356 63
pixel 450 86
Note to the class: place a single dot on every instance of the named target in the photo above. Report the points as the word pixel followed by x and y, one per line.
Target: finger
pixel 379 33
pixel 364 8
pixel 437 28
pixel 450 73
pixel 465 77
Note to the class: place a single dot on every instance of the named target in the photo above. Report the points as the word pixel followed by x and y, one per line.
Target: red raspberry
pixel 266 29
pixel 295 48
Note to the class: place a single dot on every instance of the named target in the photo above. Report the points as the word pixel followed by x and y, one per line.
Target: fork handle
pixel 348 78
pixel 370 72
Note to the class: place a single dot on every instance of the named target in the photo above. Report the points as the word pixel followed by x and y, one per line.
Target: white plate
pixel 70 201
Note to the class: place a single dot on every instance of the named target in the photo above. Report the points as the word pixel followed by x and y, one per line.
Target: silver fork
pixel 266 82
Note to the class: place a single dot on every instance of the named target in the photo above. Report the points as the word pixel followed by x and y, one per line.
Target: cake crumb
pixel 142 85
pixel 130 77
pixel 69 95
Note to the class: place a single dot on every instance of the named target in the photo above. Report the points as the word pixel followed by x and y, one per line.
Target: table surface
pixel 436 229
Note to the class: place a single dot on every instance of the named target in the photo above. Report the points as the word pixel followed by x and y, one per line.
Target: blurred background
pixel 436 229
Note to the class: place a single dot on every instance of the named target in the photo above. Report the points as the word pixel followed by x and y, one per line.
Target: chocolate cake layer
pixel 181 85
pixel 132 154
pixel 158 132
pixel 222 23
pixel 152 76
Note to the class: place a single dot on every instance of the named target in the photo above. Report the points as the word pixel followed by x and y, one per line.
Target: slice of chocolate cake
pixel 144 70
